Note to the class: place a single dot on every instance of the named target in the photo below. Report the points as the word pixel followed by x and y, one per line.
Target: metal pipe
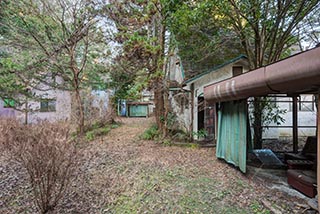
pixel 296 74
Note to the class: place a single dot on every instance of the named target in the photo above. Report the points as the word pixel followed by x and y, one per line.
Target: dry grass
pixel 122 174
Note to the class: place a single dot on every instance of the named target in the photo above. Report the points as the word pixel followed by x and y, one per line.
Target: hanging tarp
pixel 232 133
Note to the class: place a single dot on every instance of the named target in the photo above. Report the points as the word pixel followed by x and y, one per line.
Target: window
pixel 8 103
pixel 237 70
pixel 47 105
pixel 305 103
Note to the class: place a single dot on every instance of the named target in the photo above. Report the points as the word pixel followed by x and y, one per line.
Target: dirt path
pixel 122 174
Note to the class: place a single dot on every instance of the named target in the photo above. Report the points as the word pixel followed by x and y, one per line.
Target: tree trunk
pixel 159 105
pixel 76 88
pixel 160 88
pixel 80 115
pixel 26 112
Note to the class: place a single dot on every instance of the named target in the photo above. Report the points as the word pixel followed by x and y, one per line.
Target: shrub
pixel 48 155
pixel 97 131
pixel 150 134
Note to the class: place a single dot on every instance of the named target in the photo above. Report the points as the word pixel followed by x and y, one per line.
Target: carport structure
pixel 298 74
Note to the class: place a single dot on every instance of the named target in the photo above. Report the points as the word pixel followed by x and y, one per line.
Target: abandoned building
pixel 52 105
pixel 187 97
pixel 293 76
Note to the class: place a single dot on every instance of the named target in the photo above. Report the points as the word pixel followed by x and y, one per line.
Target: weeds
pixel 202 133
pixel 98 130
pixel 151 133
pixel 257 208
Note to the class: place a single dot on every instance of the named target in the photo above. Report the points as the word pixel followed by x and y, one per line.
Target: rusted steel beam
pixel 297 74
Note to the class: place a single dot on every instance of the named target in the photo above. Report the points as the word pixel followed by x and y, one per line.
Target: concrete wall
pixel 175 68
pixel 212 77
pixel 62 112
pixel 181 107
pixel 100 101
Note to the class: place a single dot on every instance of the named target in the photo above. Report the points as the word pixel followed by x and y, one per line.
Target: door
pixel 209 120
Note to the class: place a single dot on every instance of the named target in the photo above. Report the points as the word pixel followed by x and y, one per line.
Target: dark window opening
pixel 47 105
pixel 237 70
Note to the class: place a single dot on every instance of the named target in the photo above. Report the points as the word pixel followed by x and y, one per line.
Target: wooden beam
pixel 295 123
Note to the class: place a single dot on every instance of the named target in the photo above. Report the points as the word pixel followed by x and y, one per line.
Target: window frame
pixel 48 105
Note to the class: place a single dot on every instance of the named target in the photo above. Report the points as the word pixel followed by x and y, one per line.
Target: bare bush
pixel 47 153
pixel 108 117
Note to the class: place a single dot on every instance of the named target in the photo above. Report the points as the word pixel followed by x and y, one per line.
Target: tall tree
pixel 140 30
pixel 201 38
pixel 48 39
pixel 266 30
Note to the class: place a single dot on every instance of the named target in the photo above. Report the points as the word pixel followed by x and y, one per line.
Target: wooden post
pixel 318 152
pixel 295 123
pixel 192 109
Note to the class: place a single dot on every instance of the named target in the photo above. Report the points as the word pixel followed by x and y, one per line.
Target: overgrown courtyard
pixel 119 173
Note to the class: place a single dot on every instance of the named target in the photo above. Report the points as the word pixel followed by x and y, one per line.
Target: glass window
pixel 306 103
pixel 47 105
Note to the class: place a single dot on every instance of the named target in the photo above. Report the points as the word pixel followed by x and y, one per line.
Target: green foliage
pixel 200 133
pixel 269 111
pixel 39 44
pixel 257 208
pixel 90 135
pixel 167 142
pixel 200 37
pixel 151 134
pixel 98 129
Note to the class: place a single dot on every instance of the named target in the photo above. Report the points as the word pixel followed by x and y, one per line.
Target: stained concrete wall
pixel 181 107
pixel 62 109
pixel 212 77
pixel 196 87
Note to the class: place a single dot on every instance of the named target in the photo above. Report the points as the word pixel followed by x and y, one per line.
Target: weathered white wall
pixel 210 78
pixel 183 112
pixel 175 68
pixel 184 115
pixel 63 107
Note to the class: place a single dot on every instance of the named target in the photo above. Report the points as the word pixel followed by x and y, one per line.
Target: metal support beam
pixel 295 123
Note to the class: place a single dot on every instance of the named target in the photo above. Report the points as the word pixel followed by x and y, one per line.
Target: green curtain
pixel 232 133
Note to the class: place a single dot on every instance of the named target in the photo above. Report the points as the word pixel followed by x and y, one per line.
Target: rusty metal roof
pixel 299 73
